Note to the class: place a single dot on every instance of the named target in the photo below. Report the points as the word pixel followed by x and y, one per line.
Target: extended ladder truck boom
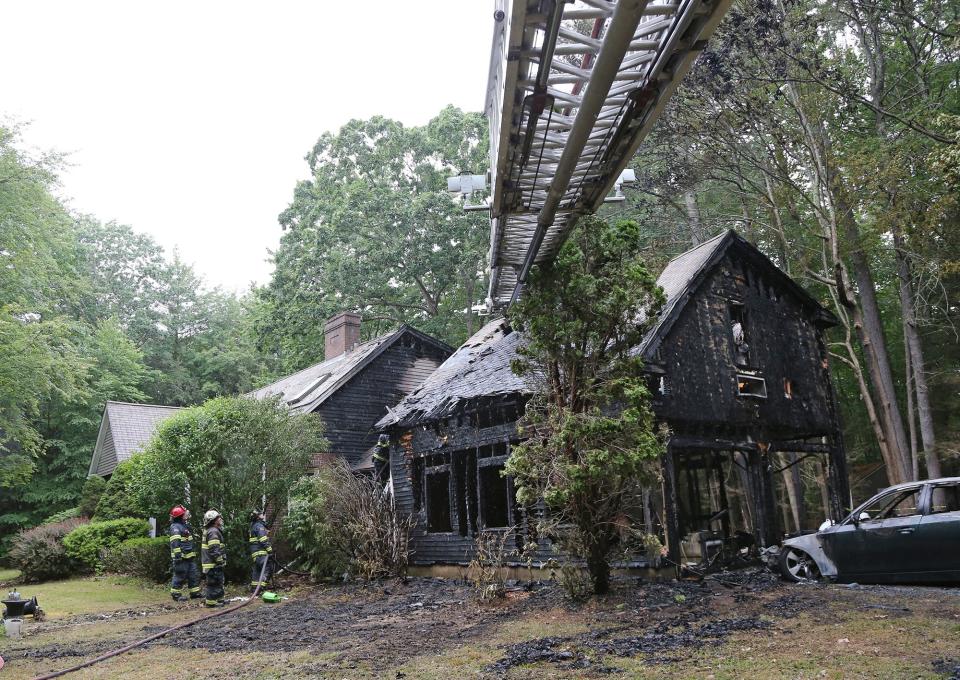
pixel 573 89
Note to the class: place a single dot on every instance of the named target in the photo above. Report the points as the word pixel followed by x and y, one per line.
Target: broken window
pixel 494 496
pixel 465 482
pixel 946 498
pixel 738 333
pixel 751 386
pixel 438 499
pixel 896 504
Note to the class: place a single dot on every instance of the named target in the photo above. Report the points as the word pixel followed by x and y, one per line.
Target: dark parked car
pixel 907 533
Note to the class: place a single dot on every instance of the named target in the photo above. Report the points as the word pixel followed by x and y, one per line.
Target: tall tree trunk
pixel 911 420
pixel 915 354
pixel 693 217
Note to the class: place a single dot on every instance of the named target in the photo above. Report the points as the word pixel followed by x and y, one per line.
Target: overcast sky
pixel 190 121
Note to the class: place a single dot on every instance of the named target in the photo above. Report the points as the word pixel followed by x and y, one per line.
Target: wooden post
pixel 671 510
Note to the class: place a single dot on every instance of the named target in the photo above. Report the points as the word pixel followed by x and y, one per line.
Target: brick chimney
pixel 340 333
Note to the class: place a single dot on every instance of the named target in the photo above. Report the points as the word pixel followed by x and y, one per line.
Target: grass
pixel 7 575
pixel 96 594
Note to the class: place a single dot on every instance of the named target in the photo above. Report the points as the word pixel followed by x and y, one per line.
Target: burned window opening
pixel 438 500
pixel 494 497
pixel 464 465
pixel 739 333
pixel 751 386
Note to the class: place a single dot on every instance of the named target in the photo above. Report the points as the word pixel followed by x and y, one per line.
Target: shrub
pixel 486 567
pixel 231 452
pixel 147 558
pixel 40 554
pixel 119 498
pixel 93 488
pixel 348 519
pixel 63 515
pixel 86 543
pixel 308 529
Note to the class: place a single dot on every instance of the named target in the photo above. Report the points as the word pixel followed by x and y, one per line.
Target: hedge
pixel 87 543
pixel 144 557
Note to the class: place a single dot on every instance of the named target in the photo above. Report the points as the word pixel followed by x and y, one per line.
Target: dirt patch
pixel 375 625
pixel 588 651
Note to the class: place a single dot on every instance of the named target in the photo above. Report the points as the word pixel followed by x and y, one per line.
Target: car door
pixel 937 554
pixel 869 548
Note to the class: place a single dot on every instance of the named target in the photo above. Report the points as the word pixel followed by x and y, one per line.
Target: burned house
pixel 357 382
pixel 737 367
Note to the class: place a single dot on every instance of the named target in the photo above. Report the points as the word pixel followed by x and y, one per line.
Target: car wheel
pixel 796 565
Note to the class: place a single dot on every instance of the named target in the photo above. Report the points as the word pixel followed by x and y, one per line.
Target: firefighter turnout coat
pixel 213 552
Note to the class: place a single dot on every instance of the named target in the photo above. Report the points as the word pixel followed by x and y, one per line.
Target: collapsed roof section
pixel 574 88
pixel 479 368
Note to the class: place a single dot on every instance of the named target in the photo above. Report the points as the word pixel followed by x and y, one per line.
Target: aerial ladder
pixel 573 89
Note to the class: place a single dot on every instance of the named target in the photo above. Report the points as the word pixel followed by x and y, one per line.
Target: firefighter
pixel 381 460
pixel 213 558
pixel 183 554
pixel 258 544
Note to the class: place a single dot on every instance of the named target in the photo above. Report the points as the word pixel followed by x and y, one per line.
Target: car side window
pixel 901 504
pixel 906 506
pixel 945 498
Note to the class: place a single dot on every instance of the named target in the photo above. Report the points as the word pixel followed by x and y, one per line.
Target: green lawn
pixel 7 575
pixel 95 594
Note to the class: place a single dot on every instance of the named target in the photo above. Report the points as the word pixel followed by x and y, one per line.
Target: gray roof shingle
pixel 132 425
pixel 305 390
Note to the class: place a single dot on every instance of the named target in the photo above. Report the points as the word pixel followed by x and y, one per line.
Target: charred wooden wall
pixel 482 435
pixel 698 358
pixel 350 414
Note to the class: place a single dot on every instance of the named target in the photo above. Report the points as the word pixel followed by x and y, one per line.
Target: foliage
pixel 824 133
pixel 346 518
pixel 93 488
pixel 574 580
pixel 40 553
pixel 591 432
pixel 486 567
pixel 374 230
pixel 86 544
pixel 231 453
pixel 308 529
pixel 69 513
pixel 143 557
pixel 120 497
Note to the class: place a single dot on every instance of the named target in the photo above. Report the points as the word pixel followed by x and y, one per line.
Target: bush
pixel 86 543
pixel 308 529
pixel 344 519
pixel 63 515
pixel 231 453
pixel 120 498
pixel 93 488
pixel 147 558
pixel 40 554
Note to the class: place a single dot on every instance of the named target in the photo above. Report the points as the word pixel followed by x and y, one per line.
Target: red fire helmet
pixel 178 511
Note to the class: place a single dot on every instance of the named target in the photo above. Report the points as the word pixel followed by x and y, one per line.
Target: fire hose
pixel 162 633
